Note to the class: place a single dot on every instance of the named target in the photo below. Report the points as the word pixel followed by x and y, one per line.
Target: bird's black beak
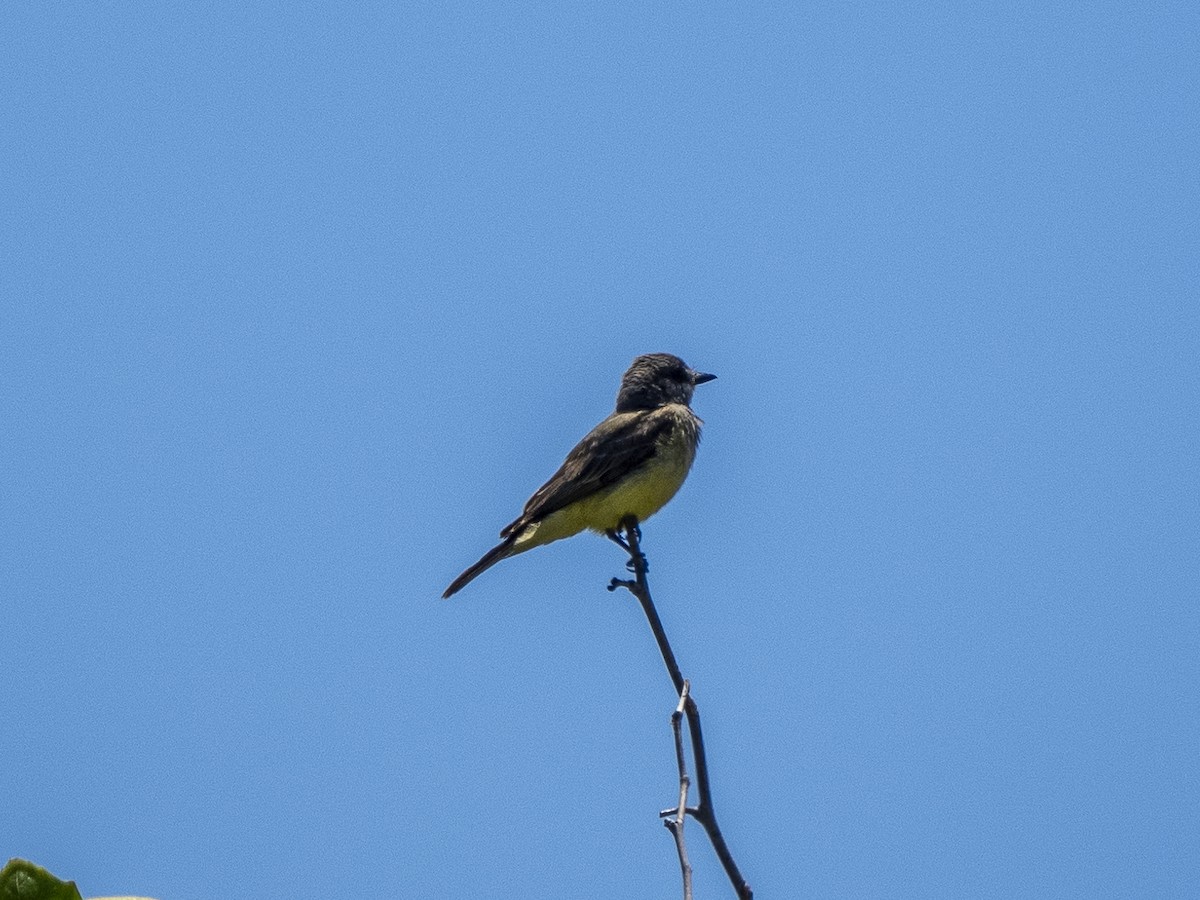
pixel 701 377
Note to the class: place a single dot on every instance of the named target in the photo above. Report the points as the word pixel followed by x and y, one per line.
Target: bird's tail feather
pixel 489 559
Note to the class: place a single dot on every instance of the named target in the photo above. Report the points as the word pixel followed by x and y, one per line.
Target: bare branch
pixel 703 812
pixel 675 823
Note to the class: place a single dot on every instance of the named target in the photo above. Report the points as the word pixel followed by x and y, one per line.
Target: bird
pixel 630 464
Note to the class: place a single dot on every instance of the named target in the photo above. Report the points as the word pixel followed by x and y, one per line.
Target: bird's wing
pixel 610 451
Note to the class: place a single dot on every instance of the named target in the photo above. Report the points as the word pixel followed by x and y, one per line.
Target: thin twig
pixel 675 823
pixel 703 811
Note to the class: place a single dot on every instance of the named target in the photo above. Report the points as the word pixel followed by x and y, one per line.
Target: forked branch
pixel 629 538
pixel 675 818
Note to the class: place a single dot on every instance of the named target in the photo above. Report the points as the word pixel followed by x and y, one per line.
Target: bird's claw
pixel 617 538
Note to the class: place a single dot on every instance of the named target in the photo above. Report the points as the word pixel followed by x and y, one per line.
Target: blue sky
pixel 299 303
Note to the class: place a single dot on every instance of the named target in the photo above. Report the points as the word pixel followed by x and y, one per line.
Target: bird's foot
pixel 630 523
pixel 617 538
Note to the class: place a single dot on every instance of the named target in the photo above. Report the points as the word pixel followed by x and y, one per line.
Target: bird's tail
pixel 489 559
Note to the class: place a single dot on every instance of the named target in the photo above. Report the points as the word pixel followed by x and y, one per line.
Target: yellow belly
pixel 642 493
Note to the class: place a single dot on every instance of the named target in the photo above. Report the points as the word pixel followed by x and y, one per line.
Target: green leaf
pixel 22 880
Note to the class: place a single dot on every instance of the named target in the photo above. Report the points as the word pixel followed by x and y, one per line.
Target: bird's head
pixel 656 379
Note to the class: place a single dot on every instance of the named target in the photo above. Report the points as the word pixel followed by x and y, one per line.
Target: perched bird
pixel 632 463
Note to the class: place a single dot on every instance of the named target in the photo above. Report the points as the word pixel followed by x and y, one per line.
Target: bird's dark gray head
pixel 657 379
